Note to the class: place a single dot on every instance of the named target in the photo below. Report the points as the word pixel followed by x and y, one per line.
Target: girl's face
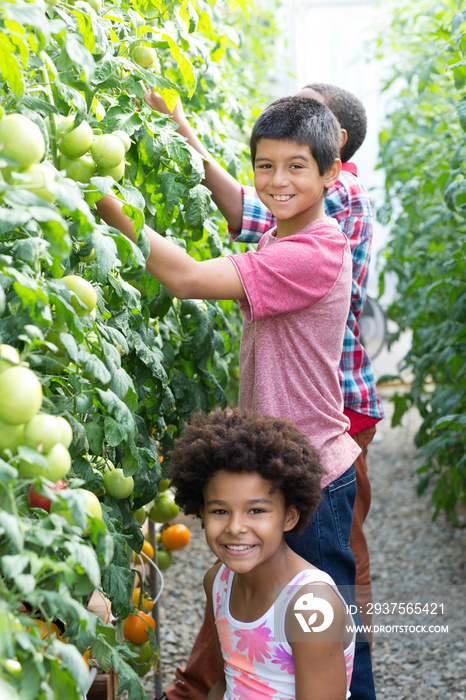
pixel 244 521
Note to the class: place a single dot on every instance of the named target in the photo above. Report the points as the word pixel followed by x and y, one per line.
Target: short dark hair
pixel 301 120
pixel 349 111
pixel 246 442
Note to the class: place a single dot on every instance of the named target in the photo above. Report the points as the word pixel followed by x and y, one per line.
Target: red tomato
pixel 36 500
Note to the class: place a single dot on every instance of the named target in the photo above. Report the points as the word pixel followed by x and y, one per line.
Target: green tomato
pixel 11 437
pixel 20 395
pixel 66 431
pixel 91 255
pixel 42 432
pixel 34 178
pixel 164 485
pixel 164 508
pixel 57 464
pixel 59 460
pixel 124 138
pixel 78 169
pixel 142 669
pixel 164 559
pixel 95 4
pixel 8 356
pixel 85 501
pixel 13 666
pixel 143 652
pixel 117 172
pixel 140 514
pixel 85 293
pixel 117 484
pixel 21 139
pixel 107 151
pixel 76 143
pixel 143 55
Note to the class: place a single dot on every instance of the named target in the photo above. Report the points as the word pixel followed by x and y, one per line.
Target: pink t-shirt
pixel 298 295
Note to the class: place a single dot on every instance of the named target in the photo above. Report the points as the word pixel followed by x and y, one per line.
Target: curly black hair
pixel 349 112
pixel 246 442
pixel 301 120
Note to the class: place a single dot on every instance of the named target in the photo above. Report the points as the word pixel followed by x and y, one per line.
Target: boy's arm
pixel 218 690
pixel 181 274
pixel 318 657
pixel 226 191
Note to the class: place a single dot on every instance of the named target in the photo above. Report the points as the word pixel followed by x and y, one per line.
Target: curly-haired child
pixel 252 478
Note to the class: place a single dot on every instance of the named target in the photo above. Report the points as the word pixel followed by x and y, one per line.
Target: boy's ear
pixel 332 174
pixel 343 139
pixel 292 517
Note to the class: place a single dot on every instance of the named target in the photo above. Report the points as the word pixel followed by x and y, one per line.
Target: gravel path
pixel 413 560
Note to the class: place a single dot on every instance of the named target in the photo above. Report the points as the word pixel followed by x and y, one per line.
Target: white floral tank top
pixel 257 666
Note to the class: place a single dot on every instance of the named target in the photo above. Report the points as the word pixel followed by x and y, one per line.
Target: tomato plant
pixel 425 194
pixel 108 353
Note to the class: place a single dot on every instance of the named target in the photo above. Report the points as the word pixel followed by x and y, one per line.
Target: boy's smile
pixel 288 182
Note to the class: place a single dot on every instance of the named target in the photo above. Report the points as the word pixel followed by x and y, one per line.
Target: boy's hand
pixel 157 103
pixel 226 192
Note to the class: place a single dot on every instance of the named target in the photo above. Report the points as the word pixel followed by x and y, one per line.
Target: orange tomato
pixel 175 537
pixel 143 603
pixel 147 549
pixel 136 625
pixel 46 630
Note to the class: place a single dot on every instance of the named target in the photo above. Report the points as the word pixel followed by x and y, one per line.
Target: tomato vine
pixel 116 355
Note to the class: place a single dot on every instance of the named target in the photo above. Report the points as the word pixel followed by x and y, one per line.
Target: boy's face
pixel 288 182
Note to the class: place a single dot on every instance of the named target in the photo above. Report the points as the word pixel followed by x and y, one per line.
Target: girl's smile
pixel 244 520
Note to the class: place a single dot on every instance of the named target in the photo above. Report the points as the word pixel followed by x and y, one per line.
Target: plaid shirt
pixel 349 203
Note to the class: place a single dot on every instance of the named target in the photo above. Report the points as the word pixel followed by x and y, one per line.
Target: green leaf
pixel 196 206
pixel 95 436
pixel 62 683
pixel 86 558
pixel 9 67
pixel 117 583
pixel 118 410
pixel 80 56
pixel 94 366
pixel 9 526
pixel 114 433
pixel 13 565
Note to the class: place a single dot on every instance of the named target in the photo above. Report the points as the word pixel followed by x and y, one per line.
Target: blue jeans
pixel 325 544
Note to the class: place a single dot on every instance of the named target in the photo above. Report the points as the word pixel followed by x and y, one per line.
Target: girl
pixel 282 626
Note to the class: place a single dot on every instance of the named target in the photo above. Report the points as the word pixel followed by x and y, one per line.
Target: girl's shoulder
pixel 313 603
pixel 210 575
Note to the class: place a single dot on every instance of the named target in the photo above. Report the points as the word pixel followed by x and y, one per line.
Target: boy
pixel 294 292
pixel 349 203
